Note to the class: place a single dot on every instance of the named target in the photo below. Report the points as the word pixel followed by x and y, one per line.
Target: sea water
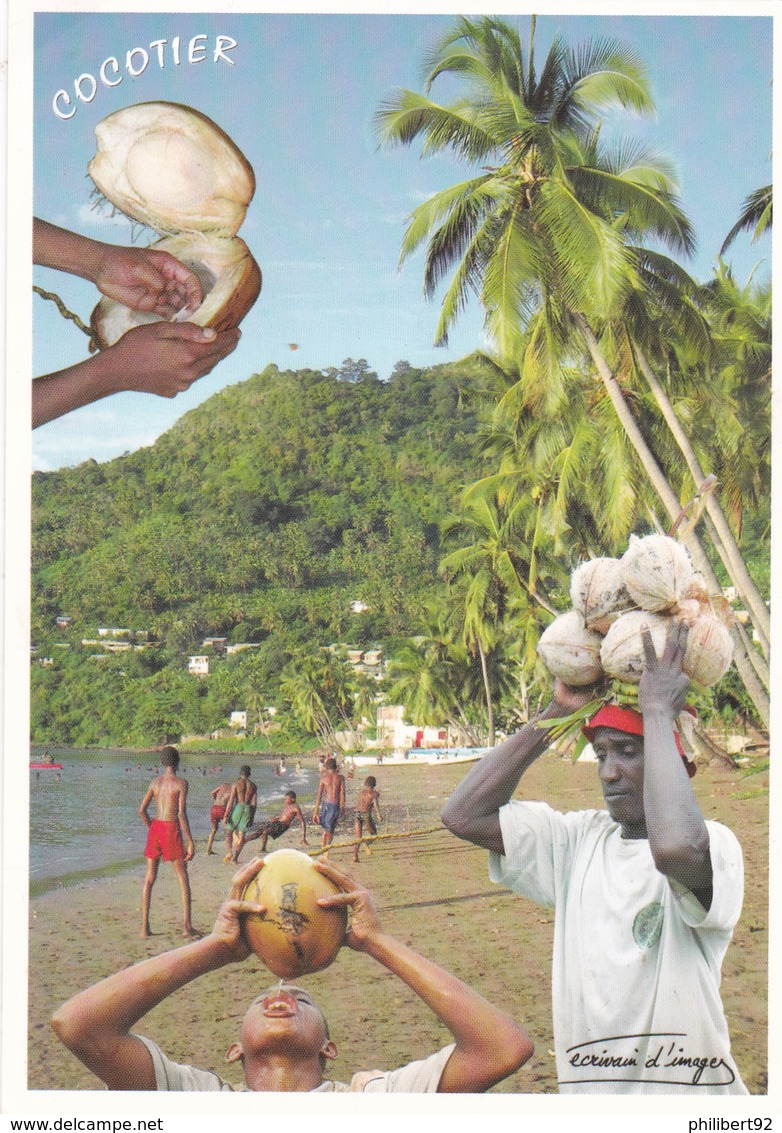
pixel 84 820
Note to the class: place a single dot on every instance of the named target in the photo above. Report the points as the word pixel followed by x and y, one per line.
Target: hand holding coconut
pixel 227 931
pixel 161 358
pixel 142 278
pixel 147 279
pixel 172 169
pixel 364 922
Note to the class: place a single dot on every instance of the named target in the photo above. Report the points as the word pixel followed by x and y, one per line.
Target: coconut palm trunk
pixel 726 543
pixel 670 501
pixel 489 701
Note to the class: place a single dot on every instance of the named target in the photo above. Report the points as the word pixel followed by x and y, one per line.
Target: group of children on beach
pixel 234 804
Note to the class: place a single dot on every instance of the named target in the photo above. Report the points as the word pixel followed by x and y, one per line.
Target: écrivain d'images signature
pixel 666 1060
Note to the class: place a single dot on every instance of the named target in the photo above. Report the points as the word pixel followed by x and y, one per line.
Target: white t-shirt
pixel 636 964
pixel 421 1077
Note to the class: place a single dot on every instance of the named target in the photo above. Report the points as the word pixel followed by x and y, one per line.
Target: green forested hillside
pixel 261 516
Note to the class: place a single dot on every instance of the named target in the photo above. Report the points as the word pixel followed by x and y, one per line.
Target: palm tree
pixel 668 321
pixel 556 224
pixel 755 215
pixel 426 676
pixel 488 573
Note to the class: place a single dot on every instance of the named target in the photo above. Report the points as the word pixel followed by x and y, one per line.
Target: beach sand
pixel 431 890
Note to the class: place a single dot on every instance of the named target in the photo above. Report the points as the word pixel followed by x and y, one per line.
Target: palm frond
pixel 603 72
pixel 756 214
pixel 590 257
pixel 406 116
pixel 463 201
pixel 646 210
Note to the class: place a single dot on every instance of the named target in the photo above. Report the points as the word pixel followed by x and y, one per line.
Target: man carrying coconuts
pixel 646 893
pixel 284 1044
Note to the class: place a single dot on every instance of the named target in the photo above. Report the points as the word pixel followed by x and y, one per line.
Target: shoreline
pixel 431 890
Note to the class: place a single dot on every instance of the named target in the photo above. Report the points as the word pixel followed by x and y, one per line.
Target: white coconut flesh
pixel 598 592
pixel 172 168
pixel 622 652
pixel 657 572
pixel 570 651
pixel 230 279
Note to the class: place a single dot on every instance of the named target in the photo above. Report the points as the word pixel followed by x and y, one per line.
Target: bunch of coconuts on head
pixel 653 582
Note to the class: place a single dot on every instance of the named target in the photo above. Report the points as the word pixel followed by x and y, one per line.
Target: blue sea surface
pixel 84 820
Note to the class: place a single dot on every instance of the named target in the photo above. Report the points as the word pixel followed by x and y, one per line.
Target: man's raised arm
pixel 472 811
pixel 95 1024
pixel 489 1044
pixel 678 835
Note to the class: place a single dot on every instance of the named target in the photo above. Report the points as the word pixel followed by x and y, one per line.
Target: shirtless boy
pixel 239 814
pixel 279 824
pixel 167 831
pixel 367 810
pixel 219 797
pixel 330 801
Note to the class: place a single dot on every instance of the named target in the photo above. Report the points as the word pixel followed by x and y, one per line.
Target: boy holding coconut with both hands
pixel 646 894
pixel 284 1043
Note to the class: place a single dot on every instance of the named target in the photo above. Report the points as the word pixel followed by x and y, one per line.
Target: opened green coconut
pixel 173 169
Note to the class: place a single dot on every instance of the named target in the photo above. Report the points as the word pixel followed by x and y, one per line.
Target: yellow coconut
pixel 296 935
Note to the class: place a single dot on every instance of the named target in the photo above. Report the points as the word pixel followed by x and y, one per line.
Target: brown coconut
pixel 295 936
pixel 709 649
pixel 622 651
pixel 570 651
pixel 657 572
pixel 598 592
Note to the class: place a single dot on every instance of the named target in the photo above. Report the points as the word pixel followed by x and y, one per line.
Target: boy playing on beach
pixel 330 801
pixel 284 1044
pixel 239 814
pixel 166 833
pixel 367 809
pixel 280 823
pixel 219 796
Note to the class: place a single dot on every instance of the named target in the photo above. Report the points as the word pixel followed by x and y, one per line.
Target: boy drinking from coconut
pixel 284 1043
pixel 646 893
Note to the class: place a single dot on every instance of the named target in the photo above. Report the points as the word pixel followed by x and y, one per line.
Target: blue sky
pixel 329 211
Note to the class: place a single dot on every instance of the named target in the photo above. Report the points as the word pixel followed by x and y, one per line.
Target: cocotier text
pixel 136 60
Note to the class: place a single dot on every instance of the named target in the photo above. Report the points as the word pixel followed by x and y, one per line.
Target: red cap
pixel 628 720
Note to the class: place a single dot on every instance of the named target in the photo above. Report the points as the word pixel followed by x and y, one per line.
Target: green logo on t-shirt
pixel 648 925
